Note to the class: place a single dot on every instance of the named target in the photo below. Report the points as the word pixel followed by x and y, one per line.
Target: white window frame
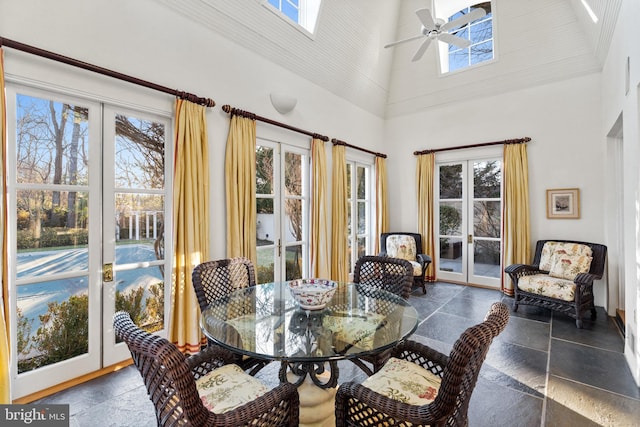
pixel 444 9
pixel 356 160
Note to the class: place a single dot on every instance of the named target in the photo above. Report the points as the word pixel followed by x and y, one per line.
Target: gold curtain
pixel 5 379
pixel 382 200
pixel 516 210
pixel 240 180
pixel 319 230
pixel 425 180
pixel 340 258
pixel 190 222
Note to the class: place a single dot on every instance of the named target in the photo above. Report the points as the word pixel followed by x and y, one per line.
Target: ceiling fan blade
pixel 464 19
pixel 405 40
pixel 424 15
pixel 421 50
pixel 454 40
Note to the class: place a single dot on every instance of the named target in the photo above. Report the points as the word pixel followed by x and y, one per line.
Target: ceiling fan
pixel 438 29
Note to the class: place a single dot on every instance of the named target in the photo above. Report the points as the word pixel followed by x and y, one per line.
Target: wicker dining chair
pixel 393 275
pixel 175 384
pixel 213 280
pixel 419 386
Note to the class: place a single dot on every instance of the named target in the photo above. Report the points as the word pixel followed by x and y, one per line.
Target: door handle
pixel 469 238
pixel 107 273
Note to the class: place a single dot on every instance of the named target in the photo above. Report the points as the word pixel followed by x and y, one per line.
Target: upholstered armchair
pixel 407 246
pixel 560 277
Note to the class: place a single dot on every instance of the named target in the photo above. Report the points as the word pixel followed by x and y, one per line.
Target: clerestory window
pixel 478 32
pixel 301 12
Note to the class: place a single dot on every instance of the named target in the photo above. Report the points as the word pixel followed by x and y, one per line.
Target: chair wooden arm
pixel 585 279
pixel 424 259
pixel 519 268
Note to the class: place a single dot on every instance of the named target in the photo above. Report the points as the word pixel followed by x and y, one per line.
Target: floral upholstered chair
pixel 407 246
pixel 560 277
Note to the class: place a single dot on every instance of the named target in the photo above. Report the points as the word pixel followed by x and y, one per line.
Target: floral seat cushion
pixel 353 329
pixel 405 381
pixel 548 286
pixel 404 247
pixel 228 388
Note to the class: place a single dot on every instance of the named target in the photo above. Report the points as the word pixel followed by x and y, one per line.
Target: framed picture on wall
pixel 563 203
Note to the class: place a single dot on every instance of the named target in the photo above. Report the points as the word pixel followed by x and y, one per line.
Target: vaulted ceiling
pixel 536 42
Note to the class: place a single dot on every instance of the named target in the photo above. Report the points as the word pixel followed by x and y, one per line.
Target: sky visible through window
pixel 479 32
pixel 301 12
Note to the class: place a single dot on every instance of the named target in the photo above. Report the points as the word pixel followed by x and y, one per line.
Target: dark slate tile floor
pixel 541 371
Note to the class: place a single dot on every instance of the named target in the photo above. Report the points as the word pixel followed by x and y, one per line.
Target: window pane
pixel 458 59
pixel 451 182
pixel 486 179
pixel 139 223
pixel 264 269
pixel 486 218
pixel 486 258
pixel 140 292
pixel 51 240
pixel 294 262
pixel 139 149
pixel 293 174
pixel 451 254
pixel 450 218
pixel 349 167
pixel 362 246
pixel 481 31
pixel 290 9
pixel 362 182
pixel 52 322
pixel 481 52
pixel 52 142
pixel 362 217
pixel 264 170
pixel 264 222
pixel 293 231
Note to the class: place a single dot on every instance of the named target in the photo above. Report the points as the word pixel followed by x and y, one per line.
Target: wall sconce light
pixel 283 103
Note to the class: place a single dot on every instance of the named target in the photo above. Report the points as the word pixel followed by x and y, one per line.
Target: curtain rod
pixel 234 111
pixel 506 141
pixel 207 102
pixel 338 142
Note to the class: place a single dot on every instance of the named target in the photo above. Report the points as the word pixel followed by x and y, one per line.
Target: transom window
pixel 301 12
pixel 478 32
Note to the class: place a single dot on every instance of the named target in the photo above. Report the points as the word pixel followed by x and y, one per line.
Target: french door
pixel 86 194
pixel 282 203
pixel 469 207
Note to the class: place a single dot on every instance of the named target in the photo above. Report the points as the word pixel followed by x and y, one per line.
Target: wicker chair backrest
pixel 213 280
pixel 394 275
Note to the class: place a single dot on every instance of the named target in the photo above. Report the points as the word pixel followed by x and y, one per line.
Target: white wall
pixel 143 39
pixel 616 103
pixel 566 151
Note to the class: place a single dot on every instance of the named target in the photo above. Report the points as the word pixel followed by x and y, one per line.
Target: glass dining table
pixel 265 323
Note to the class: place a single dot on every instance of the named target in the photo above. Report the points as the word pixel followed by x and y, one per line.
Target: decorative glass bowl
pixel 312 294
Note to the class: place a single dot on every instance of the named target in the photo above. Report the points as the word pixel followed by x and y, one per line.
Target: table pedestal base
pixel 317 405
